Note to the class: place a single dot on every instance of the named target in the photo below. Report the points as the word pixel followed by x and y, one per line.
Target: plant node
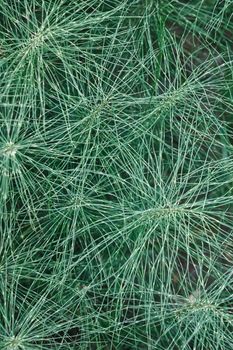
pixel 10 149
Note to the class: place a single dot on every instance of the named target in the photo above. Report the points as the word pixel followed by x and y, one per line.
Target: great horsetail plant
pixel 116 174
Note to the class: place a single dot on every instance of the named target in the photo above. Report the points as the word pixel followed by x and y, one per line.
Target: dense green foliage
pixel 116 174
